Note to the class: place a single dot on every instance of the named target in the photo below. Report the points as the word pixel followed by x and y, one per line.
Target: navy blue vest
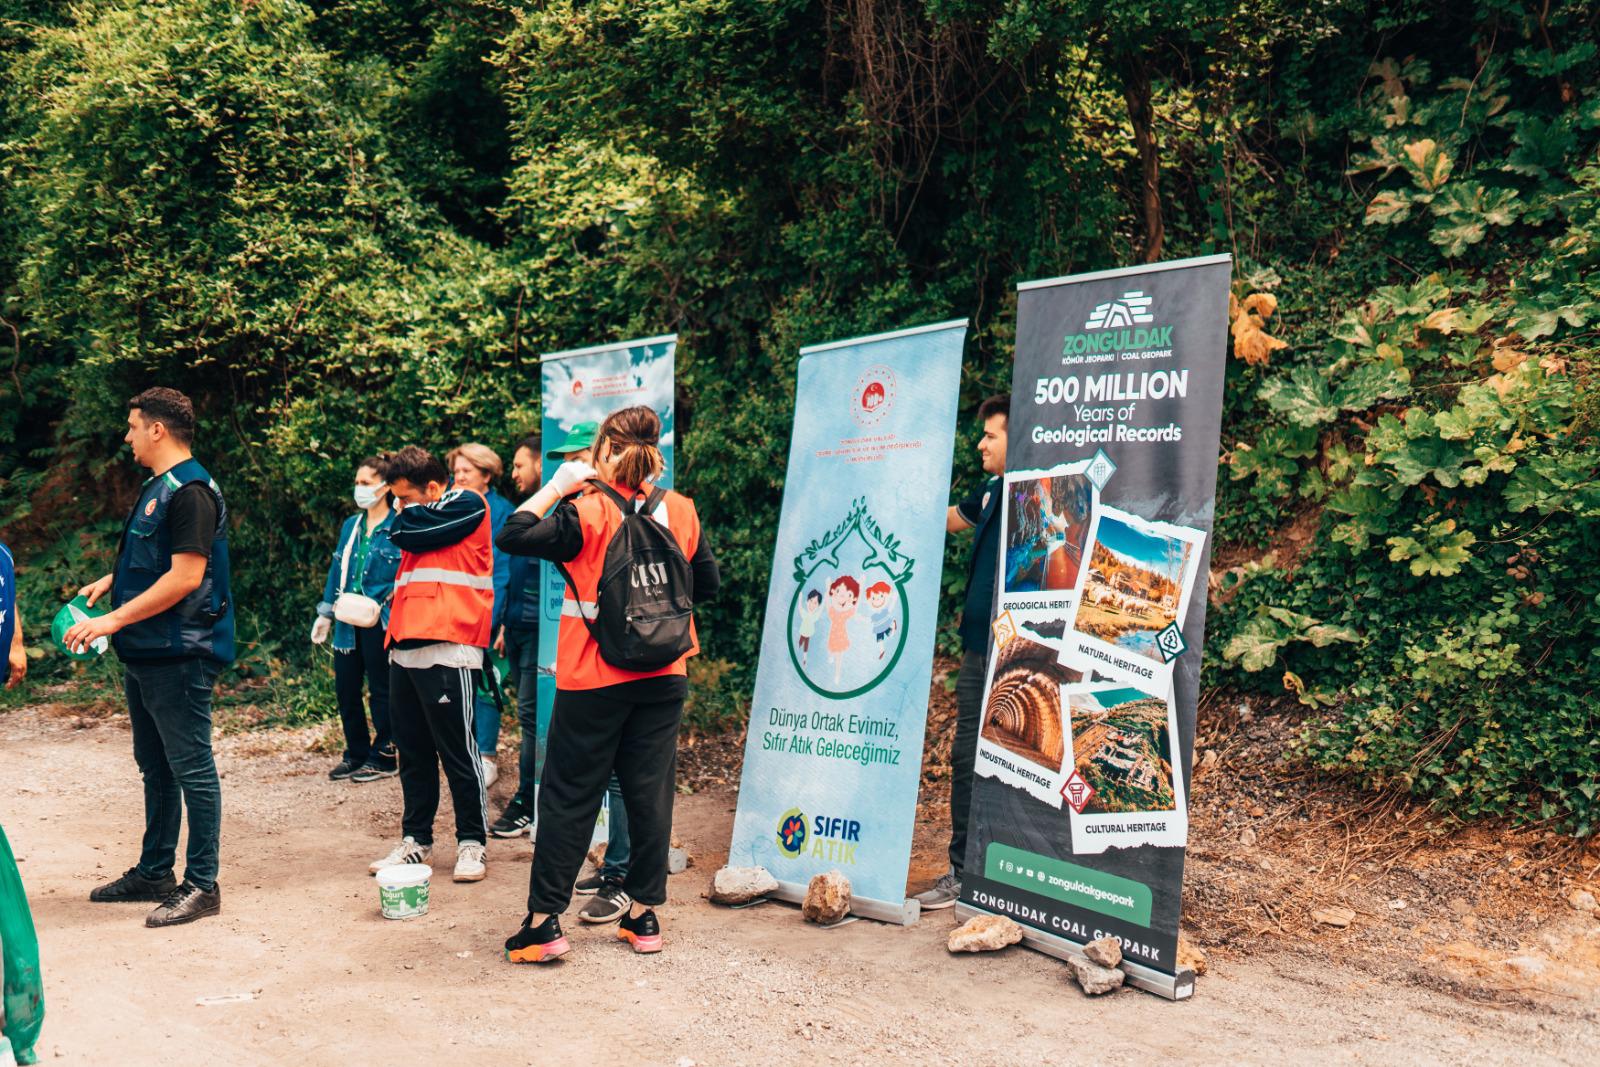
pixel 201 624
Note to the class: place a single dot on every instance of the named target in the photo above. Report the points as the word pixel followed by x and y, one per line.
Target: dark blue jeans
pixel 522 653
pixel 169 706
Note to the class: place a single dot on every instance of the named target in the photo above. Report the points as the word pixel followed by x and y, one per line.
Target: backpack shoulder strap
pixel 623 504
pixel 566 576
pixel 653 501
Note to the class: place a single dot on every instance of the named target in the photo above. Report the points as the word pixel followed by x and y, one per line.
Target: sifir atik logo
pixel 577 387
pixel 833 838
pixel 1132 309
pixel 792 832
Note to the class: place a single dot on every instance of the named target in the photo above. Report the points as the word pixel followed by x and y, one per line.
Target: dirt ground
pixel 332 982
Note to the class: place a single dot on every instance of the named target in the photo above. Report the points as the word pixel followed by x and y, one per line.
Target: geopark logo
pixel 1131 309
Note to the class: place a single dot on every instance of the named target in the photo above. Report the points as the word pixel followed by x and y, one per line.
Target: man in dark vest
pixel 978 512
pixel 171 624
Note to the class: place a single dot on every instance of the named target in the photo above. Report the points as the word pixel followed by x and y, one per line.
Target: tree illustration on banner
pixel 848 615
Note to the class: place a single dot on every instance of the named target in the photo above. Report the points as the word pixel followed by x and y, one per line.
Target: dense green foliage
pixel 344 225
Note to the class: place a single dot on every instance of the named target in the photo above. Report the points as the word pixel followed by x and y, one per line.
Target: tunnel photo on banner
pixel 833 757
pixel 578 389
pixel 1079 811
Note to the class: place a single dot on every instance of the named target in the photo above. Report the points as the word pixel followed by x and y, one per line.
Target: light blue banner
pixel 586 385
pixel 834 753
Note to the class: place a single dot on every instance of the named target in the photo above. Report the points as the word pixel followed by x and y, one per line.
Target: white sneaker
pixel 491 772
pixel 407 851
pixel 469 862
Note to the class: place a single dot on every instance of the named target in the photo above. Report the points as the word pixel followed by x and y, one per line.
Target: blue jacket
pixel 522 594
pixel 383 560
pixel 201 624
pixel 500 510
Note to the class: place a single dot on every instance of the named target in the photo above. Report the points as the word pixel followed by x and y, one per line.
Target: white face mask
pixel 367 495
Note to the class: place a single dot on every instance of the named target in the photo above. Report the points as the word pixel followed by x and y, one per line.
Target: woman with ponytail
pixel 605 716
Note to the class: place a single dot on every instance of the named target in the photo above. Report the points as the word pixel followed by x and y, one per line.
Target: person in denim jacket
pixel 365 562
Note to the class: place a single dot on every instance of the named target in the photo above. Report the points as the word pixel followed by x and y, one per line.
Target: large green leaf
pixel 1302 397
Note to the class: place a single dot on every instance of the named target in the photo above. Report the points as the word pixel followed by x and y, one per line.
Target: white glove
pixel 321 629
pixel 570 475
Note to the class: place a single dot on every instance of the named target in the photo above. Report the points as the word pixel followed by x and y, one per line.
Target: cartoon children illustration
pixel 883 621
pixel 810 612
pixel 843 594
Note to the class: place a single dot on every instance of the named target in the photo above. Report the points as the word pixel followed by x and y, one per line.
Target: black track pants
pixel 430 709
pixel 634 728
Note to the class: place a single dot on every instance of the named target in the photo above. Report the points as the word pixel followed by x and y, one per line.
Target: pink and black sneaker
pixel 537 945
pixel 643 933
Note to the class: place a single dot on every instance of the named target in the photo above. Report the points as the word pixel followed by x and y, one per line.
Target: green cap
pixel 72 613
pixel 579 438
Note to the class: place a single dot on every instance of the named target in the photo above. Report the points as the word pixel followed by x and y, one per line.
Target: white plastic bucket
pixel 403 890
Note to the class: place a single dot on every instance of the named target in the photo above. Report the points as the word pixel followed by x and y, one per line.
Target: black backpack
pixel 645 599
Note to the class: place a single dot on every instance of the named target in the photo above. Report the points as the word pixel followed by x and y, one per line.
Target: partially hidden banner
pixel 834 754
pixel 1079 815
pixel 586 385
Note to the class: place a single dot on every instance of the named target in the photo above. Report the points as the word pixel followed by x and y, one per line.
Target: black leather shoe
pixel 185 904
pixel 133 887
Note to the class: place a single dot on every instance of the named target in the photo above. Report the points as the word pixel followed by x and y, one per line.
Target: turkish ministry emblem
pixel 874 395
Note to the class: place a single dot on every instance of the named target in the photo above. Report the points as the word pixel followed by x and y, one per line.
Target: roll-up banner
pixel 834 754
pixel 1079 820
pixel 579 386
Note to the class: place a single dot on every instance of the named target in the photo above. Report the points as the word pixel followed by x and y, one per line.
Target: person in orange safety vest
pixel 605 717
pixel 438 630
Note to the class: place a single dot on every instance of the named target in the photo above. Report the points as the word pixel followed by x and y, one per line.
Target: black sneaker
pixel 133 887
pixel 375 768
pixel 590 885
pixel 529 945
pixel 642 931
pixel 513 822
pixel 345 768
pixel 608 904
pixel 185 904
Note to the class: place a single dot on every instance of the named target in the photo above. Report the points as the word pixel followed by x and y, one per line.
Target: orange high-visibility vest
pixel 446 594
pixel 578 661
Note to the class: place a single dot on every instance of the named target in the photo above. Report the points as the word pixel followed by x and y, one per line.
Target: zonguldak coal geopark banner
pixel 833 758
pixel 1079 820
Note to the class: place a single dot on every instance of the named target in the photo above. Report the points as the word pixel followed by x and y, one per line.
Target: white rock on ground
pixel 1093 978
pixel 984 933
pixel 741 885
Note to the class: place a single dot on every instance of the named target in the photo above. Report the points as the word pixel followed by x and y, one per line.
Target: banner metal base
pixel 902 912
pixel 1178 986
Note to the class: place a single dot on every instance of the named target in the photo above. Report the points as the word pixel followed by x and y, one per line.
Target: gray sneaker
pixel 944 894
pixel 608 905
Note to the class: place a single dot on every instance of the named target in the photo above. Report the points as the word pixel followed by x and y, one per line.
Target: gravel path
pixel 335 983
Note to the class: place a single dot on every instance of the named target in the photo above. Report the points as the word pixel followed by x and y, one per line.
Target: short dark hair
pixel 376 461
pixel 168 407
pixel 416 465
pixel 999 404
pixel 532 443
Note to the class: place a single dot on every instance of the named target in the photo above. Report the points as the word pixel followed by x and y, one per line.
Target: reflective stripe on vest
pixel 580 609
pixel 446 594
pixel 445 576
